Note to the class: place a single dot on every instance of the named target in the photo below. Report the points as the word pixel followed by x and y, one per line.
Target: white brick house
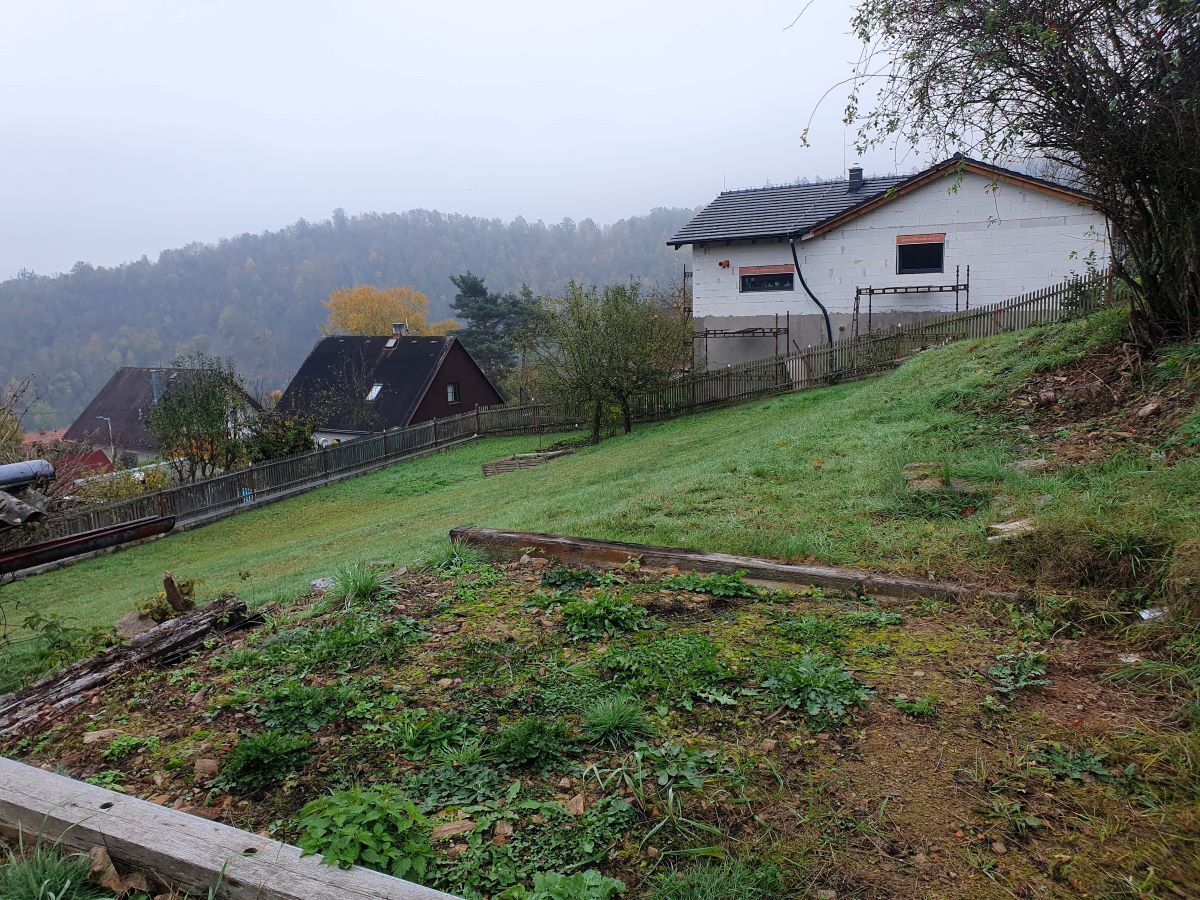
pixel 1015 232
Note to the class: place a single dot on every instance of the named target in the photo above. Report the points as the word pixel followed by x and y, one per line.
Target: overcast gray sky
pixel 129 127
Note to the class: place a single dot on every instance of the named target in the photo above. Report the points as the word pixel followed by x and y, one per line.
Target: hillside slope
pixel 808 476
pixel 257 297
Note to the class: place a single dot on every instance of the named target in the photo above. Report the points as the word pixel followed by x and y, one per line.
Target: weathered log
pixel 585 551
pixel 165 643
pixel 190 852
pixel 175 598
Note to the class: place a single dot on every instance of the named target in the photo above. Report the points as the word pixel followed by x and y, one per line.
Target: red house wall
pixel 473 389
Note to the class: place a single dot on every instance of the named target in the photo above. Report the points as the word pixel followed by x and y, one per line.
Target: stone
pixel 197 698
pixel 916 471
pixel 1047 398
pixel 576 805
pixel 205 770
pixel 1030 465
pixel 998 848
pixel 966 486
pixel 526 559
pixel 769 744
pixel 565 784
pixel 133 624
pixel 501 832
pixel 827 895
pixel 445 682
pixel 925 485
pixel 1149 409
pixel 103 871
pixel 1007 531
pixel 321 584
pixel 449 829
pixel 104 735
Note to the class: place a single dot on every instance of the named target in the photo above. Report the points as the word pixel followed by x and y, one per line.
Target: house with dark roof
pixel 115 420
pixel 352 385
pixel 801 257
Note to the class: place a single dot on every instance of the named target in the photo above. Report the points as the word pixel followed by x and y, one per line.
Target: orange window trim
pixel 921 238
pixel 766 270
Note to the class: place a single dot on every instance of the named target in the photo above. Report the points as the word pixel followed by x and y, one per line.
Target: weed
pixel 715 585
pixel 295 706
pixel 615 722
pixel 352 642
pixel 108 778
pixel 357 584
pixel 468 753
pixel 676 766
pixel 920 708
pixel 127 745
pixel 378 828
pixel 1063 763
pixel 1011 815
pixel 604 615
pixel 422 734
pixel 261 760
pixel 570 688
pixel 876 651
pixel 453 558
pixel 589 885
pixel 679 669
pixel 1018 671
pixel 47 873
pixel 718 881
pixel 561 578
pixel 814 631
pixel 453 785
pixel 531 741
pixel 818 684
pixel 870 618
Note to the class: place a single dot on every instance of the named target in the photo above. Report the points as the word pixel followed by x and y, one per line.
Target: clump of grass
pixel 452 558
pixel 47 873
pixel 920 708
pixel 615 722
pixel 354 585
pixel 720 881
pixel 261 760
pixel 531 741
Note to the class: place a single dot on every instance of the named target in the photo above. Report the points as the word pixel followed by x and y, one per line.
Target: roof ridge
pixel 800 184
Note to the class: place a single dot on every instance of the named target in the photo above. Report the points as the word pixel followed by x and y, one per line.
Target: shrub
pixel 378 828
pixel 605 615
pixel 295 706
pixel 715 585
pixel 47 873
pixel 615 722
pixel 718 881
pixel 589 885
pixel 817 683
pixel 261 760
pixel 530 741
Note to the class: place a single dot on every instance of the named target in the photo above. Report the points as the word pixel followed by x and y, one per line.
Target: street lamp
pixel 112 449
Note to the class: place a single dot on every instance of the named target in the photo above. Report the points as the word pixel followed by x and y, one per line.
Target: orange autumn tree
pixel 364 309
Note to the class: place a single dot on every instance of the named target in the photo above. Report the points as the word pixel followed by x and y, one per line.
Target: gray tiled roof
pixel 778 211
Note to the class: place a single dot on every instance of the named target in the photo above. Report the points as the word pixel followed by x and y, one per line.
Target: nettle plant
pixel 378 828
pixel 605 615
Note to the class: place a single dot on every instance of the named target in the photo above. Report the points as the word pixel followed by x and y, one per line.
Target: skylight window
pixel 374 392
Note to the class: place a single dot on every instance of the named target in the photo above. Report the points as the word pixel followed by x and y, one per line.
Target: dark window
pixel 452 392
pixel 913 259
pixel 751 283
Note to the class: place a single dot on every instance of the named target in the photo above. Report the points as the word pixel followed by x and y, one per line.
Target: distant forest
pixel 257 298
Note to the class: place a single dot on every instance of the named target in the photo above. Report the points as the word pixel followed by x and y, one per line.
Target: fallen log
pixel 206 858
pixel 585 551
pixel 165 643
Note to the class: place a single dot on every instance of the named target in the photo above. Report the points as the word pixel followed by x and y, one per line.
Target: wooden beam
pixel 185 850
pixel 585 551
pixel 164 643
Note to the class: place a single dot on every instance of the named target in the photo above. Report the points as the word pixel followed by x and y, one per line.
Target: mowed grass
pixel 807 476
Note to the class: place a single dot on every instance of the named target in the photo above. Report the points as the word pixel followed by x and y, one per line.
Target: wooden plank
pixel 585 551
pixel 186 850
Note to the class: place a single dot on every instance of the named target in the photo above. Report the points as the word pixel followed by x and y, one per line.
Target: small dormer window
pixel 374 392
pixel 391 344
pixel 452 392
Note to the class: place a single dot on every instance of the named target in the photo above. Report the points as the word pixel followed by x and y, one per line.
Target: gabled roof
pixel 333 383
pixel 125 400
pixel 804 211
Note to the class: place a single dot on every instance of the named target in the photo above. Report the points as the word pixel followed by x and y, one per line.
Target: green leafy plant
pixel 920 708
pixel 604 615
pixel 432 733
pixel 531 741
pixel 128 745
pixel 1011 815
pixel 296 706
pixel 261 760
pixel 676 766
pixel 716 585
pixel 719 881
pixel 450 785
pixel 1064 763
pixel 680 669
pixel 109 778
pixel 814 631
pixel 453 558
pixel 588 885
pixel 561 578
pixel 615 722
pixel 1018 671
pixel 817 683
pixel 378 828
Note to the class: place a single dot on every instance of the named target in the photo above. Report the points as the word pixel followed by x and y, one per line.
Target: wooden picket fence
pixel 845 360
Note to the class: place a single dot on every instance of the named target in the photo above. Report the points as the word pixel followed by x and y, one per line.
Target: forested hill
pixel 257 298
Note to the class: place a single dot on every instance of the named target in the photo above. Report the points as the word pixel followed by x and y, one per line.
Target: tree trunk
pixel 626 415
pixel 596 408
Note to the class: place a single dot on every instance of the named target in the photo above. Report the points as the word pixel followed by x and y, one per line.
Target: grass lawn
pixel 492 730
pixel 807 476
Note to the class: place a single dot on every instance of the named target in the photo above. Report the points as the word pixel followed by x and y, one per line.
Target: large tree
pixel 368 310
pixel 611 345
pixel 1106 89
pixel 492 324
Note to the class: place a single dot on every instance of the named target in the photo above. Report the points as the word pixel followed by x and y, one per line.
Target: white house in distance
pixel 1017 233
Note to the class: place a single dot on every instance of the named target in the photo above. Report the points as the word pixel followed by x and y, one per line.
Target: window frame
pixel 763 274
pixel 453 386
pixel 373 393
pixel 920 240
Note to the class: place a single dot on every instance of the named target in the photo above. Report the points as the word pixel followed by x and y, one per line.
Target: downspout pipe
pixel 808 290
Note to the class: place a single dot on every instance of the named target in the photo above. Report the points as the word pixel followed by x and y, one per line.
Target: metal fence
pixel 845 360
